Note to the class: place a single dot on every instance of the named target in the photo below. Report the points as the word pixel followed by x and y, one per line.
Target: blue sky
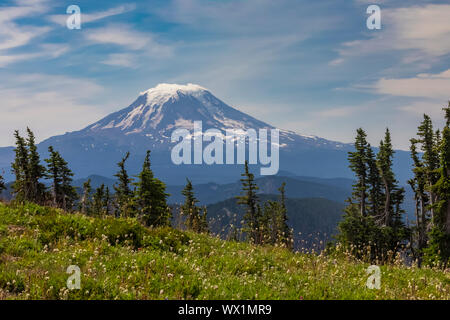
pixel 309 66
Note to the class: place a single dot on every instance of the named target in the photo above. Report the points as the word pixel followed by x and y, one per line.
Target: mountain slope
pixel 295 188
pixel 312 219
pixel 149 121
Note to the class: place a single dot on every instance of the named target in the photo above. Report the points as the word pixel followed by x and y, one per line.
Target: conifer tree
pixel 20 169
pixel 382 229
pixel 438 251
pixel 69 193
pixel 124 195
pixel 150 197
pixel 393 196
pixel 203 221
pixel 427 172
pixel 63 194
pixel 85 201
pixel 285 236
pixel 189 208
pixel 269 221
pixel 36 171
pixel 430 158
pixel 358 164
pixel 196 217
pixel 53 173
pixel 418 185
pixel 28 170
pixel 2 184
pixel 375 194
pixel 250 200
pixel 98 201
pixel 107 201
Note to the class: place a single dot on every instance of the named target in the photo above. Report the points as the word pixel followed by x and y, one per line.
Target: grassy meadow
pixel 121 259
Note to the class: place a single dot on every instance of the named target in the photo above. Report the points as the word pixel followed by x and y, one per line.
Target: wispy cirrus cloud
pixel 94 16
pixel 134 45
pixel 120 35
pixel 423 85
pixel 128 60
pixel 420 32
pixel 13 35
pixel 46 103
pixel 44 51
pixel 340 111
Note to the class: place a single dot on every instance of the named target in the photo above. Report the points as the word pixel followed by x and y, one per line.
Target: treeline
pixel 143 197
pixel 373 223
pixel 264 223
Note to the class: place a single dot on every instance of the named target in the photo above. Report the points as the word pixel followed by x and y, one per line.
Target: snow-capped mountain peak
pixel 165 91
pixel 172 89
pixel 161 109
pixel 151 119
pixel 148 124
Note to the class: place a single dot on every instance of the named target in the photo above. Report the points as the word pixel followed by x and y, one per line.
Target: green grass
pixel 120 259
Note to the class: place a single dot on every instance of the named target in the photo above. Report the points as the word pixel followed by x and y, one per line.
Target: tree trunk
pixel 387 203
pixel 363 198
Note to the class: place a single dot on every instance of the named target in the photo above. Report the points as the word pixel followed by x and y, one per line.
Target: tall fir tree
pixel 269 220
pixel 28 170
pixel 63 194
pixel 203 226
pixel 438 252
pixel 98 201
pixel 375 194
pixel 392 193
pixel 195 217
pixel 358 164
pixel 284 233
pixel 2 184
pixel 20 169
pixel 250 200
pixel 85 200
pixel 150 197
pixel 53 174
pixel 376 223
pixel 418 185
pixel 124 195
pixel 69 193
pixel 189 209
pixel 36 171
pixel 107 201
pixel 430 157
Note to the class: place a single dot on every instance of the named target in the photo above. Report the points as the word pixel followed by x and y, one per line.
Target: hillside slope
pixel 312 219
pixel 120 259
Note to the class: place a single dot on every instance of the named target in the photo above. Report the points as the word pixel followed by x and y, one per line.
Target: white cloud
pixel 431 108
pixel 432 86
pixel 48 104
pixel 128 39
pixel 420 32
pixel 13 35
pixel 339 112
pixel 9 59
pixel 92 17
pixel 251 17
pixel 44 51
pixel 120 35
pixel 121 60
